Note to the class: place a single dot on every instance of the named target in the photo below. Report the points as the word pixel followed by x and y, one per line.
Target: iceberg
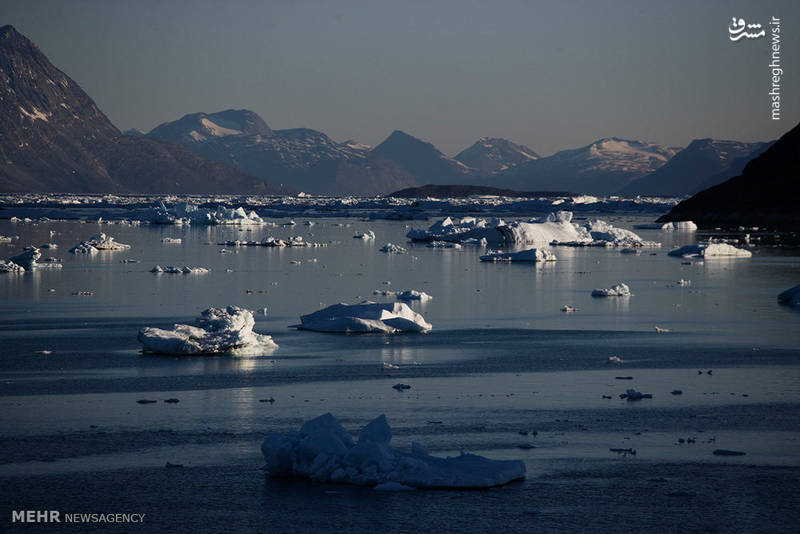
pixel 367 317
pixel 366 236
pixel 555 229
pixel 391 248
pixel 185 213
pixel 169 269
pixel 10 267
pixel 444 244
pixel 413 294
pixel 218 331
pixel 619 290
pixel 790 297
pixel 710 249
pixel 98 242
pixel 683 226
pixel 323 451
pixel 28 259
pixel 529 255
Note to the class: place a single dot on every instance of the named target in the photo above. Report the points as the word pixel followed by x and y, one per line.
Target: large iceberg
pixel 367 317
pixel 529 255
pixel 323 451
pixel 710 249
pixel 790 297
pixel 96 243
pixel 219 330
pixel 555 229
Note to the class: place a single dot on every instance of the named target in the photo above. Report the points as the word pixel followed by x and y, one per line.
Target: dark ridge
pixel 764 195
pixel 461 191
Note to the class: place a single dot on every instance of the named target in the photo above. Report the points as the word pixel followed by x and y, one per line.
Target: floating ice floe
pixel 684 226
pixel 28 261
pixel 555 229
pixel 790 297
pixel 710 249
pixel 219 330
pixel 323 451
pixel 619 290
pixel 660 330
pixel 566 308
pixel 391 248
pixel 367 317
pixel 366 236
pixel 96 243
pixel 169 269
pixel 615 360
pixel 172 240
pixel 8 239
pixel 529 255
pixel 10 267
pixel 444 244
pixel 413 294
pixel 684 283
pixel 295 241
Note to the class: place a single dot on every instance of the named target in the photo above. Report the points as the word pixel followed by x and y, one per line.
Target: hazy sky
pixel 549 74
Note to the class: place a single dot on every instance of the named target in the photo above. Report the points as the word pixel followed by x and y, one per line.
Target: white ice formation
pixel 413 294
pixel 366 236
pixel 619 290
pixel 218 331
pixel 682 226
pixel 185 213
pixel 529 255
pixel 555 229
pixel 96 243
pixel 169 269
pixel 323 451
pixel 391 248
pixel 710 249
pixel 367 317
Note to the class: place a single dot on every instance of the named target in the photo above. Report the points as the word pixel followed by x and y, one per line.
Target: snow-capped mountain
pixel 602 167
pixel 700 165
pixel 301 158
pixel 491 154
pixel 55 139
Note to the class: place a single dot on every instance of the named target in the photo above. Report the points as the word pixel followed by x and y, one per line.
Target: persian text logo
pixel 737 27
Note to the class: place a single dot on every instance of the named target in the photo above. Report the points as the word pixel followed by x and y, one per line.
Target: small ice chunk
pixel 219 330
pixel 529 255
pixel 391 248
pixel 366 236
pixel 413 294
pixel 169 269
pixel 619 290
pixel 444 244
pixel 172 240
pixel 615 360
pixel 366 317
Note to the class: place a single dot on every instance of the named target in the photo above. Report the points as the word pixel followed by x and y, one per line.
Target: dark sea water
pixel 501 359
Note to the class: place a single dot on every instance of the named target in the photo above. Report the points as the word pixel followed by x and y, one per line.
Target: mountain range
pixel 764 194
pixel 55 139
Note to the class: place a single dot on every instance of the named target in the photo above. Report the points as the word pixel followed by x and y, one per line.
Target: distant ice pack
pixel 323 451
